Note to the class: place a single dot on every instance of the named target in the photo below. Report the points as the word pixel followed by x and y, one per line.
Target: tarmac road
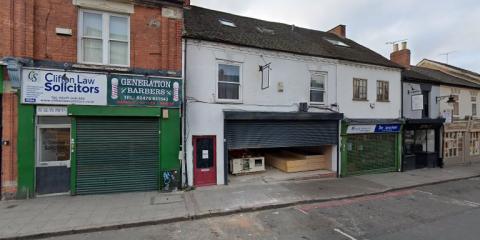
pixel 444 211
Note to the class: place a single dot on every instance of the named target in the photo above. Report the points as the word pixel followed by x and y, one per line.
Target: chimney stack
pixel 340 30
pixel 186 3
pixel 401 56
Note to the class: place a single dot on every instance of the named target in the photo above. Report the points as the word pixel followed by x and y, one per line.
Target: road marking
pixel 344 234
pixel 420 191
pixel 301 210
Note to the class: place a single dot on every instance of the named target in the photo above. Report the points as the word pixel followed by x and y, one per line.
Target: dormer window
pixel 336 42
pixel 227 23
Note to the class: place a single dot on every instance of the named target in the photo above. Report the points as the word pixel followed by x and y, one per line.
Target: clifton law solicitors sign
pixel 78 88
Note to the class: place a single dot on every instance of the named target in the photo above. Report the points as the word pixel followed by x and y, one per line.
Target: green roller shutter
pixel 117 154
pixel 367 153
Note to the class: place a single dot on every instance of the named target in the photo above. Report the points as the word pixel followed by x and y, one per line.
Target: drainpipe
pixel 184 110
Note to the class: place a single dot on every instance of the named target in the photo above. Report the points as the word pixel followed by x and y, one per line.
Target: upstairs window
pixel 382 91
pixel 317 87
pixel 104 38
pixel 360 89
pixel 229 84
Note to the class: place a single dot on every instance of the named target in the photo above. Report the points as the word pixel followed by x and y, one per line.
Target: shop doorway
pixel 205 162
pixel 53 155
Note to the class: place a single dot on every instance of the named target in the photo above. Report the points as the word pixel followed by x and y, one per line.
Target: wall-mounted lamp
pixel 451 99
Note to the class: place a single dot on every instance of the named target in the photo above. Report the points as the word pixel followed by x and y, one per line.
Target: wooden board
pixel 295 162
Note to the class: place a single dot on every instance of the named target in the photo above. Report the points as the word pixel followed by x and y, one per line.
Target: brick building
pixel 90 56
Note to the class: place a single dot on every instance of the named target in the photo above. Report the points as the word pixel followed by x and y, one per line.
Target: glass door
pixel 53 158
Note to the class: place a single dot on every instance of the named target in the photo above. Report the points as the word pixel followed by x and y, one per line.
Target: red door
pixel 205 160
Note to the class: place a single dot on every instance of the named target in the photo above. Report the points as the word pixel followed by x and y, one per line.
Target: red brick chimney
pixel 401 56
pixel 186 3
pixel 340 30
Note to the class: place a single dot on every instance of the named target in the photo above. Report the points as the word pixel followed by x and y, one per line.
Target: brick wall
pixel 9 152
pixel 28 30
pixel 31 33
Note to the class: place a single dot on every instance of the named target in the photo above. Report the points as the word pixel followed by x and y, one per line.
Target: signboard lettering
pixel 63 88
pixel 141 91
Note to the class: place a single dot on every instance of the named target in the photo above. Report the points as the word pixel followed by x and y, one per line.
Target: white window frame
pixel 105 37
pixel 240 82
pixel 325 86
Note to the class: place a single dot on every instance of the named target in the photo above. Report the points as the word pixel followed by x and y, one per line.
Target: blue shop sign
pixel 387 128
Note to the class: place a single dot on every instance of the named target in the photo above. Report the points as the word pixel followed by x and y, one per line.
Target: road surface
pixel 441 212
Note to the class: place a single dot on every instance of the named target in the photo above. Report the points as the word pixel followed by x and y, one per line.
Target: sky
pixel 431 27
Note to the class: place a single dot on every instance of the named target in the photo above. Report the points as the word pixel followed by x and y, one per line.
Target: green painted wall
pixel 170 141
pixel 26 151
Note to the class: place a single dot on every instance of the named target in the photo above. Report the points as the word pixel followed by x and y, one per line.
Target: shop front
pixel 422 143
pixel 461 142
pixel 91 133
pixel 370 146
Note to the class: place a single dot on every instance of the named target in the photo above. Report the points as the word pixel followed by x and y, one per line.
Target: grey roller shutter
pixel 242 134
pixel 117 155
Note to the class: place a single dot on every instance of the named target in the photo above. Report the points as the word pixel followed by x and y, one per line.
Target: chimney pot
pixel 395 47
pixel 402 56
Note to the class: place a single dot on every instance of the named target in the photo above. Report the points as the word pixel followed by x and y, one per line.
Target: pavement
pixel 442 212
pixel 62 215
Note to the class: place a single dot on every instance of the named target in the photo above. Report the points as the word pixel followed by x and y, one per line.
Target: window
pixel 360 89
pixel 474 143
pixel 426 104
pixel 382 91
pixel 317 87
pixel 473 98
pixel 456 106
pixel 453 144
pixel 228 82
pixel 227 23
pixel 104 38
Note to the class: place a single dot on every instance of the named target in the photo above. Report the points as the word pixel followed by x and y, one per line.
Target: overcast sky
pixel 432 27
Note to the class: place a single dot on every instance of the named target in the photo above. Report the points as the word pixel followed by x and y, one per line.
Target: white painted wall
pixel 465 103
pixel 363 109
pixel 410 89
pixel 204 114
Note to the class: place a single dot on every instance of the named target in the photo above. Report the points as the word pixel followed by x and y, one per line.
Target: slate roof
pixel 201 23
pixel 422 74
pixel 456 68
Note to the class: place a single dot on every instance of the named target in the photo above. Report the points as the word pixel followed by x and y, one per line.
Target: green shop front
pixel 370 146
pixel 93 133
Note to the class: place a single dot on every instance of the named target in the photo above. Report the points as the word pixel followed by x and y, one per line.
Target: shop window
pixel 382 91
pixel 317 87
pixel 359 89
pixel 229 82
pixel 475 143
pixel 453 144
pixel 104 38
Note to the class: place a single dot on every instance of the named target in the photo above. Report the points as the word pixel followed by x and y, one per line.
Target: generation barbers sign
pixel 63 88
pixel 132 90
